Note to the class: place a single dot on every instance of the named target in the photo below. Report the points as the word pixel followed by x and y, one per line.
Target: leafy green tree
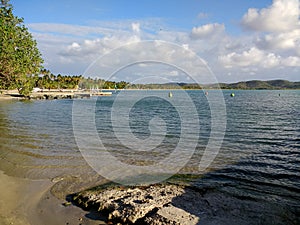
pixel 122 84
pixel 20 59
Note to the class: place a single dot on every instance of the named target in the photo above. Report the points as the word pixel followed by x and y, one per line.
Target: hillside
pixel 249 85
pixel 261 85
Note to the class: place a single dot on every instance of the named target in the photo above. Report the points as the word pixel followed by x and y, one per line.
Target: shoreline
pixel 70 94
pixel 14 205
pixel 30 202
pixel 9 97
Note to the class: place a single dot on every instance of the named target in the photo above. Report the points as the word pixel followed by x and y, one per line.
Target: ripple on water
pixel 259 156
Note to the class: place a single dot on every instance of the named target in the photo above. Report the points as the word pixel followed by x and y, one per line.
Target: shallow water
pixel 259 157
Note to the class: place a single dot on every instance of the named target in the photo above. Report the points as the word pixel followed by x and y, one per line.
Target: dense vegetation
pixel 89 83
pixel 20 59
pixel 47 80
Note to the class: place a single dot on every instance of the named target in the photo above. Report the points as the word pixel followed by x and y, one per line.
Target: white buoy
pixel 170 95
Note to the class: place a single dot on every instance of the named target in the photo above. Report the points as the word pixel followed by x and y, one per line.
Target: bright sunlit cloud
pixel 282 15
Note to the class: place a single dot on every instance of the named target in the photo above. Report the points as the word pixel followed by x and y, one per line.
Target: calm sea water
pixel 259 156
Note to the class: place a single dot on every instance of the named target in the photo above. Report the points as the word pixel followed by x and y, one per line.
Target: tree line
pixel 90 83
pixel 47 80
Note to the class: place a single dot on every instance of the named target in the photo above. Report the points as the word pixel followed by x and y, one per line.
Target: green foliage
pixel 20 59
pixel 122 85
pixel 89 83
pixel 47 80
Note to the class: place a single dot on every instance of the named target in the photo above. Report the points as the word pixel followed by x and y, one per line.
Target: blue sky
pixel 239 40
pixel 180 14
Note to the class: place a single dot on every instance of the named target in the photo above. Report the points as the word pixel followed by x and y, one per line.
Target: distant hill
pixel 249 85
pixel 243 85
pixel 262 85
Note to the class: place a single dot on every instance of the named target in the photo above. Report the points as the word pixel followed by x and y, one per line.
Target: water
pixel 259 157
pixel 36 139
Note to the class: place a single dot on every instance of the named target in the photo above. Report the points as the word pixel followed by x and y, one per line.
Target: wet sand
pixel 11 200
pixel 30 202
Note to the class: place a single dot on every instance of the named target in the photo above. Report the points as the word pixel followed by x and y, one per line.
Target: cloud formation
pixel 258 58
pixel 135 28
pixel 282 15
pixel 275 44
pixel 272 43
pixel 68 29
pixel 286 42
pixel 251 57
pixel 207 31
pixel 202 15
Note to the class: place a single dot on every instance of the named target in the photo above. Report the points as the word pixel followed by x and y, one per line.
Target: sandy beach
pixel 30 202
pixel 15 206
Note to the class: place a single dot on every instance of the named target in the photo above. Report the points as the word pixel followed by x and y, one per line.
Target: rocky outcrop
pixel 175 204
pixel 136 205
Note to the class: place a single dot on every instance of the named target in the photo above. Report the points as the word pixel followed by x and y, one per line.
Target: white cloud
pixel 247 58
pixel 277 46
pixel 207 31
pixel 233 45
pixel 68 29
pixel 75 45
pixel 98 28
pixel 172 36
pixel 291 61
pixel 282 15
pixel 173 73
pixel 135 28
pixel 96 47
pixel 185 46
pixel 270 60
pixel 202 15
pixel 251 57
pixel 169 58
pixel 257 58
pixel 288 42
